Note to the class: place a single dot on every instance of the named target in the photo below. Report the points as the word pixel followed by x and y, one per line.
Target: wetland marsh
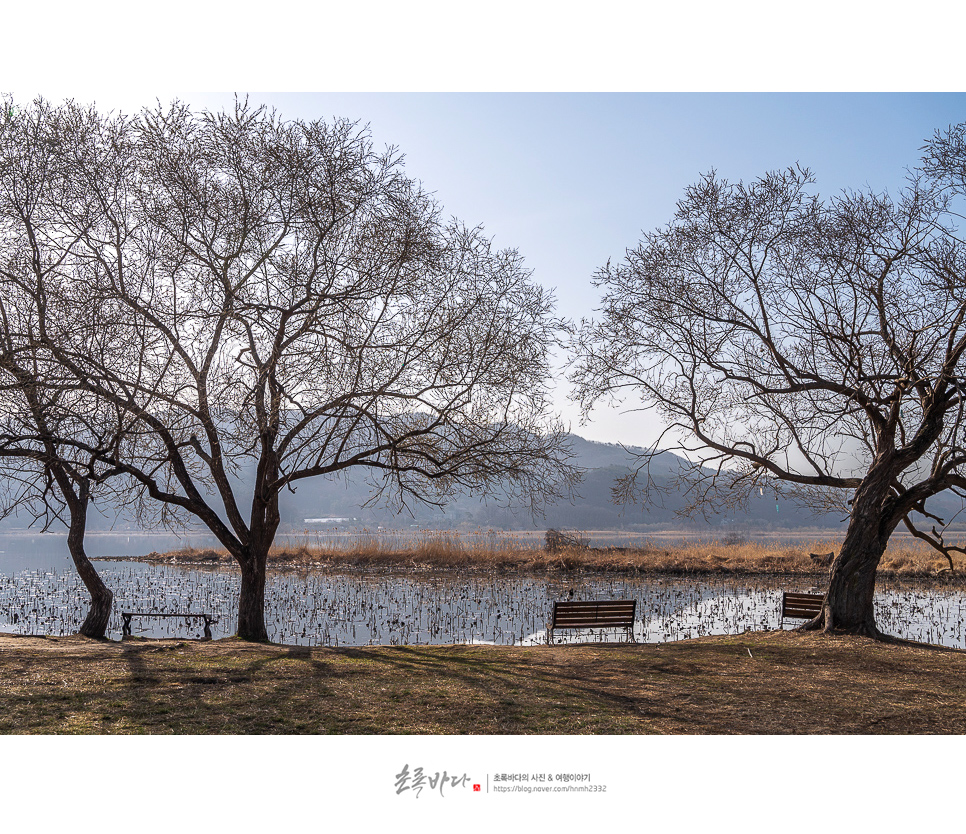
pixel 471 597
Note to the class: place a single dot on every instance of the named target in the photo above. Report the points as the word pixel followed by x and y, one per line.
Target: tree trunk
pixel 251 599
pixel 254 558
pixel 102 599
pixel 848 607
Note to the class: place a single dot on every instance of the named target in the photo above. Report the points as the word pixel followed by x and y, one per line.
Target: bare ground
pixel 756 683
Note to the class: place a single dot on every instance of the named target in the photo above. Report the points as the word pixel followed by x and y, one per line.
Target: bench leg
pixel 207 628
pixel 126 627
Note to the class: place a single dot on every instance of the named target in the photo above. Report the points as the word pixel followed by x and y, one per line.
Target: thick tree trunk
pixel 848 607
pixel 251 600
pixel 102 599
pixel 254 558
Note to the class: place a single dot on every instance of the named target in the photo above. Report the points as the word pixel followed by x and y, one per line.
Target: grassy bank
pixel 451 551
pixel 767 682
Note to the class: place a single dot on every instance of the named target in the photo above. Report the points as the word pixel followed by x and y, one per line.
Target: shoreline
pixel 699 560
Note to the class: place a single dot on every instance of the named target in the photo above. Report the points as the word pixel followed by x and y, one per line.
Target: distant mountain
pixel 338 501
pixel 319 499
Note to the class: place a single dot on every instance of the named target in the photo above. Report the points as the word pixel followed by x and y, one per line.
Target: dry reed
pixel 445 550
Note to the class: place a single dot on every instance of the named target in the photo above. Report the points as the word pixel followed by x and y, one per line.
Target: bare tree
pixel 52 480
pixel 56 482
pixel 799 347
pixel 281 295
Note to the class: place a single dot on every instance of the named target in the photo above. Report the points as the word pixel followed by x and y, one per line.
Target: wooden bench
pixel 609 613
pixel 801 606
pixel 126 628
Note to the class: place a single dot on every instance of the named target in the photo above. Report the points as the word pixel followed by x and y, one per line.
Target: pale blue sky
pixel 568 178
pixel 572 179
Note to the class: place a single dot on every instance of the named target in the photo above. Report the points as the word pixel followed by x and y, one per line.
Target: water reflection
pixel 398 609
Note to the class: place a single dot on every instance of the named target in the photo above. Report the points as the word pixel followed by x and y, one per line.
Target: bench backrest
pixel 604 613
pixel 802 606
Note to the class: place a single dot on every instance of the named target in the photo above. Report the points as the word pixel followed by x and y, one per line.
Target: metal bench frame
pixel 126 628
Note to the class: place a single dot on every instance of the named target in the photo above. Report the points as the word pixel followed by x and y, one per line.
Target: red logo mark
pixel 476 787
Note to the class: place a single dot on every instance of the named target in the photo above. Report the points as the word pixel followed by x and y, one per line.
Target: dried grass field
pixel 905 557
pixel 754 683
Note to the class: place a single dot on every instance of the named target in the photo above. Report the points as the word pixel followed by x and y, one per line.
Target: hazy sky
pixel 572 179
pixel 569 179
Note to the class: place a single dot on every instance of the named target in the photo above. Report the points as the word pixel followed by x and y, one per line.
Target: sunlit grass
pixel 753 683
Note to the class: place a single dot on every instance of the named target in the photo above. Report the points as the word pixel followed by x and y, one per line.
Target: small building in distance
pixel 331 520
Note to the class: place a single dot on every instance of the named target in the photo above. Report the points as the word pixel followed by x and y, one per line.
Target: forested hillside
pixel 340 502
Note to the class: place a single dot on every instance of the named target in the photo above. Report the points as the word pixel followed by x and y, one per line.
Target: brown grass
pixel 451 551
pixel 755 683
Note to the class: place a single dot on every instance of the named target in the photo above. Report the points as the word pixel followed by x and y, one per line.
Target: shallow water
pixel 405 608
pixel 30 550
